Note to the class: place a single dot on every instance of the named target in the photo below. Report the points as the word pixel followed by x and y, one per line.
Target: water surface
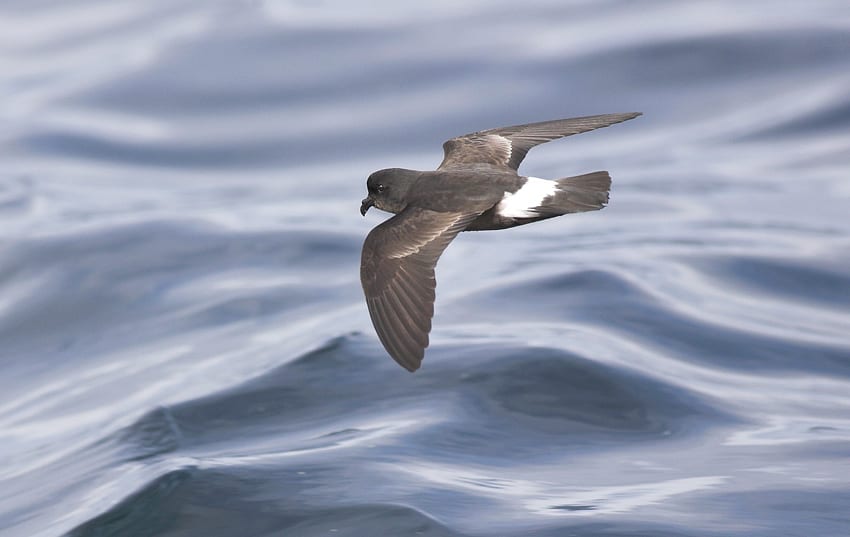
pixel 185 348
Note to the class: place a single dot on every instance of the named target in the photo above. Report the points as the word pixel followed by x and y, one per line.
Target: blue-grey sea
pixel 184 346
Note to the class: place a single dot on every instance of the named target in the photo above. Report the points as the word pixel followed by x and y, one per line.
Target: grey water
pixel 184 346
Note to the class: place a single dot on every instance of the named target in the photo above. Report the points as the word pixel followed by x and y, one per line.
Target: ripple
pixel 608 300
pixel 175 499
pixel 184 343
pixel 791 279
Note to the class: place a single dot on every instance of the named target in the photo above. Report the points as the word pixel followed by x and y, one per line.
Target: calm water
pixel 184 346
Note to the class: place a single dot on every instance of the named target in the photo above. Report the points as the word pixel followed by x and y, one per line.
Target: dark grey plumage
pixel 397 272
pixel 475 188
pixel 488 147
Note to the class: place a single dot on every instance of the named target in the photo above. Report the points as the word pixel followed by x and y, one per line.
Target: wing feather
pixel 505 147
pixel 397 273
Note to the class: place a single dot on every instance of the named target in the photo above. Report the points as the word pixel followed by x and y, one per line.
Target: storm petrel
pixel 476 187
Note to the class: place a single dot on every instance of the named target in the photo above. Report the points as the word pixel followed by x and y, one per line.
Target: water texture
pixel 184 346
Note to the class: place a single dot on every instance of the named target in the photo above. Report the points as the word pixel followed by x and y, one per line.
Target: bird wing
pixel 397 273
pixel 505 147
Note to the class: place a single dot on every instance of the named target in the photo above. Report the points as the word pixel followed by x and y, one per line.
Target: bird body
pixel 477 187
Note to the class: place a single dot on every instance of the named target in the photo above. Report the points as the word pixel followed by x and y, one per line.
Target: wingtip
pixel 627 115
pixel 411 363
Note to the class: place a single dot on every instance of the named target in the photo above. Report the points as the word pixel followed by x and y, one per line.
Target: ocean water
pixel 184 346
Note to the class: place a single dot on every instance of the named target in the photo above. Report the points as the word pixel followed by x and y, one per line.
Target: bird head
pixel 388 189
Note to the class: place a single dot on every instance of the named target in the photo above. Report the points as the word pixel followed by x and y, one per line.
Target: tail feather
pixel 588 192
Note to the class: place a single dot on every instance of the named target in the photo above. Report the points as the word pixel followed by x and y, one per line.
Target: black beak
pixel 367 202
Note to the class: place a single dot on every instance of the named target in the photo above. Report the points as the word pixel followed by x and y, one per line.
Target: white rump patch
pixel 523 202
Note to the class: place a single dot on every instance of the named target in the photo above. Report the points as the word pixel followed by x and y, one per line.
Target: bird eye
pixel 380 188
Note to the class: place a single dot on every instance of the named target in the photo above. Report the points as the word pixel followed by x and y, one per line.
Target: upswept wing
pixel 506 147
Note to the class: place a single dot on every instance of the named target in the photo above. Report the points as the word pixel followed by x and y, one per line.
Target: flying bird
pixel 476 187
